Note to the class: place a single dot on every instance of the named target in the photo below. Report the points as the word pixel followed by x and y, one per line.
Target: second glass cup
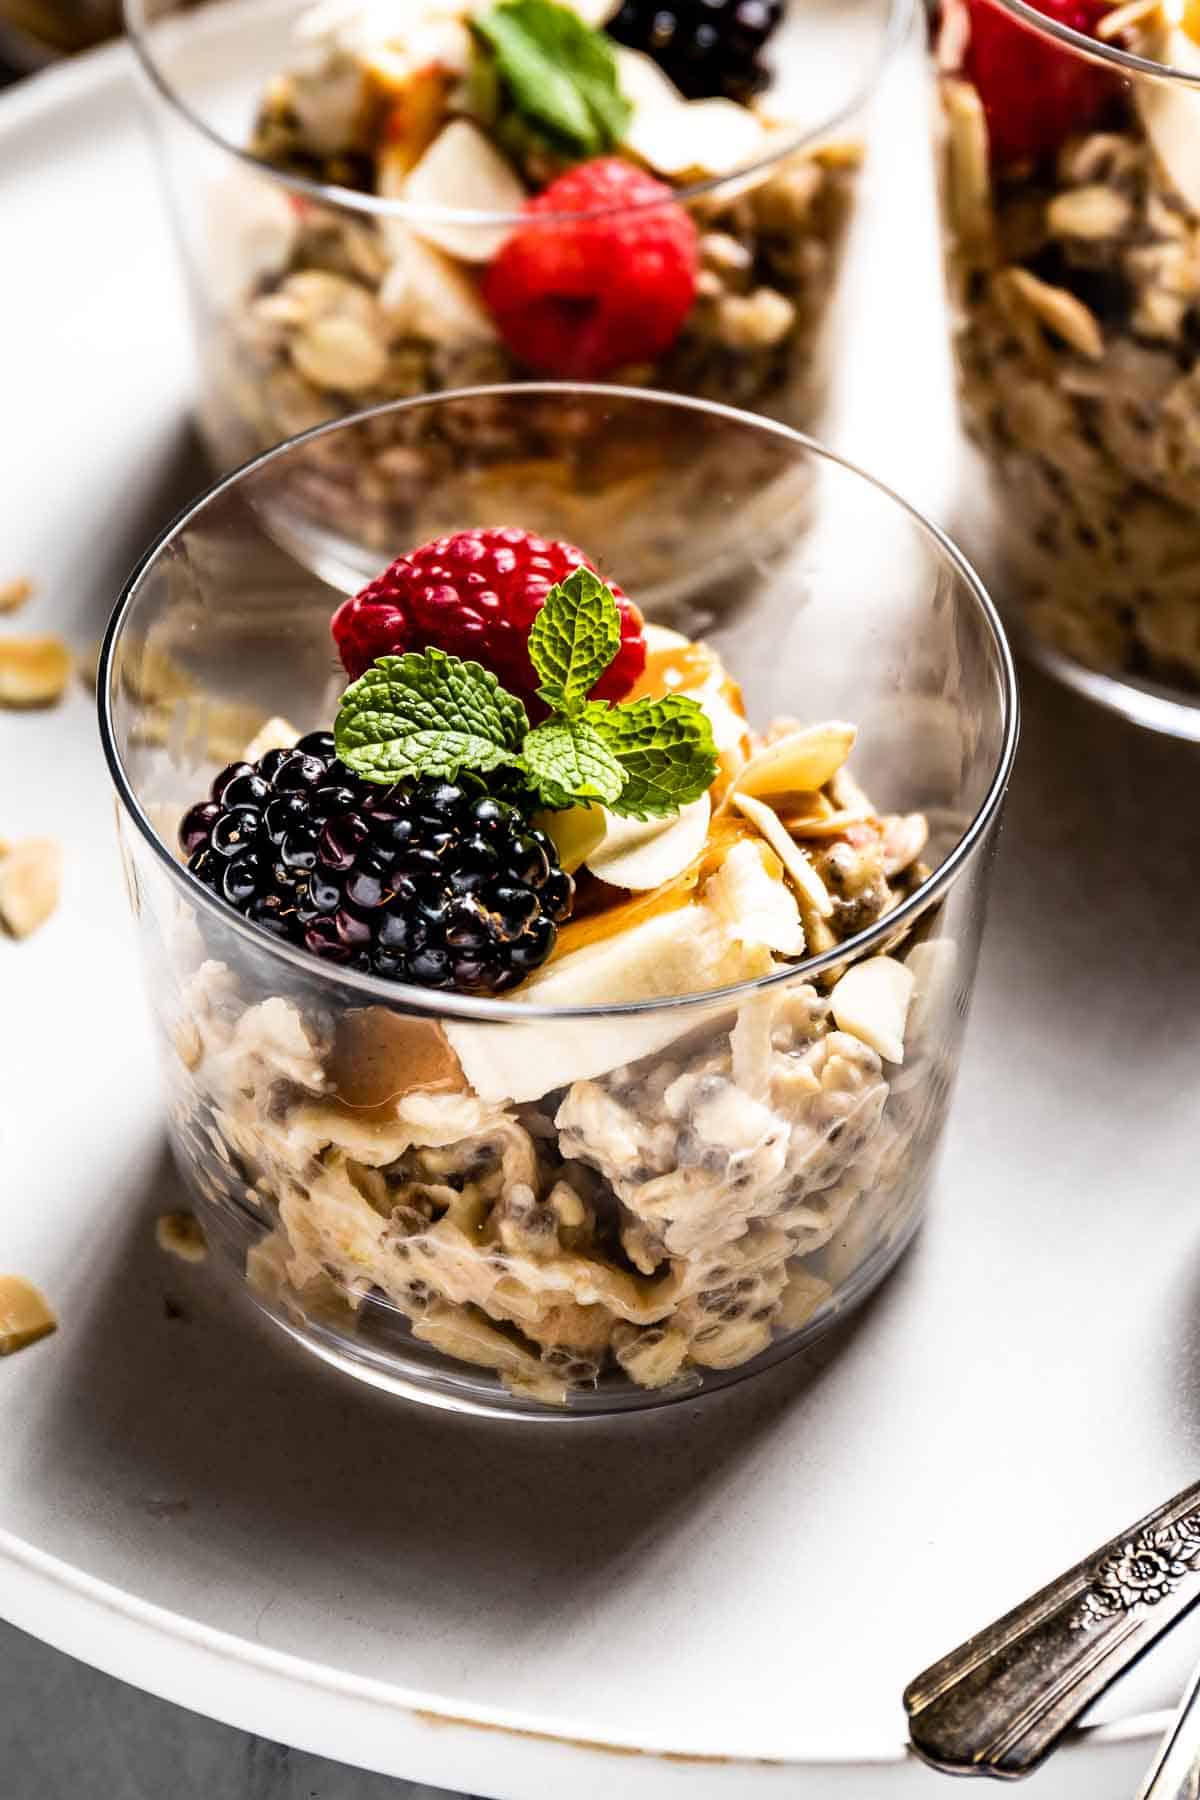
pixel 352 195
pixel 1071 211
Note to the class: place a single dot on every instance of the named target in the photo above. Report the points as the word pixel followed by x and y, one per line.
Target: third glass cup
pixel 1070 163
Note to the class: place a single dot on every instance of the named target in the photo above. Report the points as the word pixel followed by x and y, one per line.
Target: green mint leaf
pixel 427 714
pixel 568 761
pixel 573 639
pixel 560 72
pixel 666 750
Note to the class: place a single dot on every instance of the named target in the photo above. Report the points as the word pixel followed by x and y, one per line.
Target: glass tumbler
pixel 1070 202
pixel 325 283
pixel 496 1205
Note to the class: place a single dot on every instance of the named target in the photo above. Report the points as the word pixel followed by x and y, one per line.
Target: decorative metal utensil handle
pixel 999 1703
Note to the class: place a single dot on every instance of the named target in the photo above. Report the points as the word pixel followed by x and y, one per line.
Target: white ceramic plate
pixel 726 1600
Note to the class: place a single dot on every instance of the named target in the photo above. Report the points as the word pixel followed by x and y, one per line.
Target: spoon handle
pixel 1000 1702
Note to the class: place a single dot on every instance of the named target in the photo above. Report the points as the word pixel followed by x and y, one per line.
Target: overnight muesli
pixel 528 792
pixel 544 161
pixel 1072 209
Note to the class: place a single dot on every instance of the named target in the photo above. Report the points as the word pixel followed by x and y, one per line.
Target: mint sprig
pixel 660 745
pixel 569 761
pixel 434 714
pixel 573 639
pixel 427 714
pixel 560 73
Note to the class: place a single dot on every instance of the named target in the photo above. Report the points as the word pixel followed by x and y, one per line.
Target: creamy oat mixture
pixel 319 310
pixel 563 1200
pixel 1075 283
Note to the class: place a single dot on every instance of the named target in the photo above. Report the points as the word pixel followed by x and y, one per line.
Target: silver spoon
pixel 999 1703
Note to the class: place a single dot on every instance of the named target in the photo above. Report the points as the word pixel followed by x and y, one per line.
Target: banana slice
pixel 574 833
pixel 801 762
pixel 871 1002
pixel 1170 115
pixel 686 951
pixel 687 139
pixel 644 853
pixel 462 171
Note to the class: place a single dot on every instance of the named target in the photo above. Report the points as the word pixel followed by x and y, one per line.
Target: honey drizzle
pixel 601 911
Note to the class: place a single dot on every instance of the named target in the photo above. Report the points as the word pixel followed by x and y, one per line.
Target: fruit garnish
pixel 579 296
pixel 1035 93
pixel 644 854
pixel 558 73
pixel 433 714
pixel 707 50
pixel 476 594
pixel 442 884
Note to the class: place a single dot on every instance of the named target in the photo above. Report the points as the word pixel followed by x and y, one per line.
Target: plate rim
pixel 62 1605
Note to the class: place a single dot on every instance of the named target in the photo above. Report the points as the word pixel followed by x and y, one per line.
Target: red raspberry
pixel 1035 93
pixel 581 297
pixel 475 595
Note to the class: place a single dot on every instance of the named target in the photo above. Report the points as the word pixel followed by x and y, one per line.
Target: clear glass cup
pixel 1070 205
pixel 313 300
pixel 312 1109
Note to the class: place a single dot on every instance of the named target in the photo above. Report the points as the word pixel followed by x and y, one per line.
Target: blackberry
pixel 444 884
pixel 709 48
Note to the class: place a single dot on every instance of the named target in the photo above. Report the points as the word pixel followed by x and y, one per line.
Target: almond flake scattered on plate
pixel 33 671
pixel 25 1315
pixel 30 879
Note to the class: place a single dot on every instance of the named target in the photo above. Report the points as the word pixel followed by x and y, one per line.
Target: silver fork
pixel 999 1703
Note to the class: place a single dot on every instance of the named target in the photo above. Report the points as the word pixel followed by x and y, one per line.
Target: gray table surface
pixel 68 1732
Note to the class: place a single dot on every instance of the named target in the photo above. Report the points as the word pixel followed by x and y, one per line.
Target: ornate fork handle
pixel 999 1703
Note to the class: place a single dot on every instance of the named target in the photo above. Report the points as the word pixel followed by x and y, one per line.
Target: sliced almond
pixel 33 671
pixel 30 878
pixel 871 1002
pixel 904 837
pixel 25 1314
pixel 1057 309
pixel 640 854
pixel 800 762
pixel 808 883
pixel 181 1234
pixel 14 594
pixel 276 734
pixel 574 833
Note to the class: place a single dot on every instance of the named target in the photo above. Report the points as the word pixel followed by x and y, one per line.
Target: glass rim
pixel 374 989
pixel 139 31
pixel 1096 50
